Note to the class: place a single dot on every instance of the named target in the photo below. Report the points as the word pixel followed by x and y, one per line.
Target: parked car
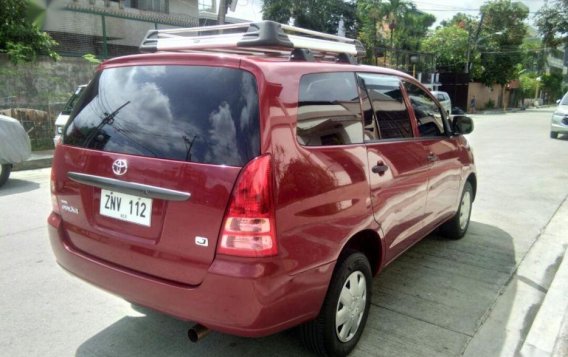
pixel 14 146
pixel 63 117
pixel 559 121
pixel 251 193
pixel 444 99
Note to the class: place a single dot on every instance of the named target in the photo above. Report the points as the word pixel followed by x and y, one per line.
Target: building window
pixel 148 5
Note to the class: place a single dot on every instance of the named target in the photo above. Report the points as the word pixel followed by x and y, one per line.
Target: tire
pixel 5 170
pixel 457 226
pixel 322 335
pixel 553 135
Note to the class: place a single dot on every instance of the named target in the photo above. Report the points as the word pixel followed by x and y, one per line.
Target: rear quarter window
pixel 186 113
pixel 329 111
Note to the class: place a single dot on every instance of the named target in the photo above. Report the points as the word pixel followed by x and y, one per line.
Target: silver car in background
pixel 444 100
pixel 559 122
pixel 63 117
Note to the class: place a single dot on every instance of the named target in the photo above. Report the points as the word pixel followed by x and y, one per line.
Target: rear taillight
pixel 54 202
pixel 248 228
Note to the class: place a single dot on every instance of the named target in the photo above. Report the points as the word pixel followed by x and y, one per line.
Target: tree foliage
pixel 450 44
pixel 20 37
pixel 369 13
pixel 318 15
pixel 502 34
pixel 395 23
pixel 552 22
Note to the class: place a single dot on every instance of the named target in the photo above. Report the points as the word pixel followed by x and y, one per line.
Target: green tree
pixel 461 20
pixel 20 37
pixel 500 42
pixel 552 84
pixel 318 15
pixel 450 44
pixel 396 24
pixel 552 22
pixel 413 27
pixel 369 15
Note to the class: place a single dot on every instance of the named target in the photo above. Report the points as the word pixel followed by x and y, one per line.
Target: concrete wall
pixel 44 85
pixel 484 94
pixel 42 82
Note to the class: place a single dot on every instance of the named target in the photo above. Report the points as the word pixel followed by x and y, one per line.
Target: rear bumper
pixel 245 299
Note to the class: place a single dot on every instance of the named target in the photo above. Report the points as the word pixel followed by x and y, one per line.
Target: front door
pixel 442 152
pixel 398 163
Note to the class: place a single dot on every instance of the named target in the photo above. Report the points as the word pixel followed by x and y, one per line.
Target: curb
pixel 545 337
pixel 33 164
pixel 37 160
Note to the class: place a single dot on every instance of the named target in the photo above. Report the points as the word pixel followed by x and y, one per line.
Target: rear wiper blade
pixel 108 119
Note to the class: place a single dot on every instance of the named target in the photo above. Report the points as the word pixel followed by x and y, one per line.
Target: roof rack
pixel 265 37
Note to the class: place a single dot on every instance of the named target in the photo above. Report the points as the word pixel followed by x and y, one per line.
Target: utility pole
pixel 223 5
pixel 469 45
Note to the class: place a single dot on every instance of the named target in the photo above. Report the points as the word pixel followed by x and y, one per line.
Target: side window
pixel 428 115
pixel 388 105
pixel 329 111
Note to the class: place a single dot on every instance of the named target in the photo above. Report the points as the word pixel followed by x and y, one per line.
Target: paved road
pixel 433 301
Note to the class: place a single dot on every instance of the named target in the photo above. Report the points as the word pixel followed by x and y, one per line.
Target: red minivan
pixel 254 182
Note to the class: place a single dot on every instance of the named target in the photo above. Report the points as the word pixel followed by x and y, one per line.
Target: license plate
pixel 126 207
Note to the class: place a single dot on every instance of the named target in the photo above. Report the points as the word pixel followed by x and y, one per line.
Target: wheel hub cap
pixel 351 306
pixel 465 209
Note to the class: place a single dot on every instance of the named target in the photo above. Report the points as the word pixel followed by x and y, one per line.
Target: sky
pixel 442 9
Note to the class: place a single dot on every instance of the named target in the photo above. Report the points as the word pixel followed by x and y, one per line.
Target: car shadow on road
pixel 429 302
pixel 154 334
pixel 15 186
pixel 434 298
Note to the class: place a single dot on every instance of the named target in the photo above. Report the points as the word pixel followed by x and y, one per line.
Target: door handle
pixel 432 157
pixel 380 168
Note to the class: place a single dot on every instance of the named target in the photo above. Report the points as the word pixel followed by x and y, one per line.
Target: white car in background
pixel 15 146
pixel 444 100
pixel 559 122
pixel 63 117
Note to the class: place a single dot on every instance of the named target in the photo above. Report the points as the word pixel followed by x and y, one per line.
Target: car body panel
pixel 559 120
pixel 323 196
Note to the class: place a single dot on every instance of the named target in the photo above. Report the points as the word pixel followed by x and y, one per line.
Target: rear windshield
pixel 72 101
pixel 187 113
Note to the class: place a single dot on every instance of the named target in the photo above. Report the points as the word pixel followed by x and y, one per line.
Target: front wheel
pixel 456 227
pixel 5 170
pixel 343 316
pixel 553 135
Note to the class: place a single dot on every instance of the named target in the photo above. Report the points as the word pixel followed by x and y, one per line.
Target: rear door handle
pixel 432 157
pixel 380 168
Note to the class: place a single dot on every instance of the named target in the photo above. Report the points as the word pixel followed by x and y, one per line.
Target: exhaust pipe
pixel 197 332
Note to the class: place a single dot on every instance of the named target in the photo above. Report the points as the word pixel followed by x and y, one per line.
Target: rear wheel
pixel 456 227
pixel 553 134
pixel 4 173
pixel 343 316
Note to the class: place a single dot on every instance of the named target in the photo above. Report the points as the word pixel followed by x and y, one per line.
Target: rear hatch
pixel 148 162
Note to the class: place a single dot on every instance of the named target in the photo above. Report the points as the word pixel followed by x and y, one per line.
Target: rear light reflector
pixel 54 202
pixel 248 228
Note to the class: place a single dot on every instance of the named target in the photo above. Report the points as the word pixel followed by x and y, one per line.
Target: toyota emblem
pixel 119 167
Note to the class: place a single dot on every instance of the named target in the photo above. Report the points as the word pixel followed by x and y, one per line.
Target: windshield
pixel 198 114
pixel 564 100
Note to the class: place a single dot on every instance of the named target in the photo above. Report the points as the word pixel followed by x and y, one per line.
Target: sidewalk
pixel 37 160
pixel 532 312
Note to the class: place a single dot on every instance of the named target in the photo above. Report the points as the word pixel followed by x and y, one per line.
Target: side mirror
pixel 558 101
pixel 462 125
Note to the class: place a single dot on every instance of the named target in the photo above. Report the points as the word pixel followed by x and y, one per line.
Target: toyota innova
pixel 254 182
